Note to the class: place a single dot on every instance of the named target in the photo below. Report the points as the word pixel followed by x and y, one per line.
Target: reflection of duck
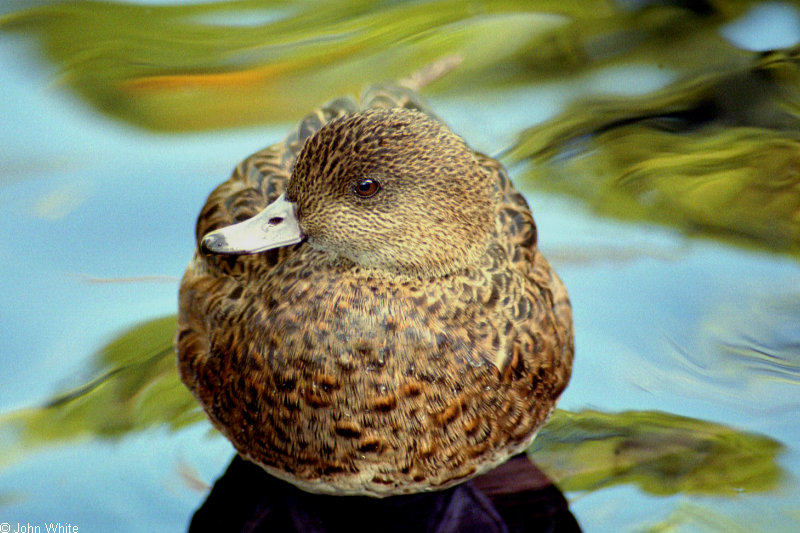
pixel 514 497
pixel 398 331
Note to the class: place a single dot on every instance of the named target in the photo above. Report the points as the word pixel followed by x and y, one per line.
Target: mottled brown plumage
pixel 415 338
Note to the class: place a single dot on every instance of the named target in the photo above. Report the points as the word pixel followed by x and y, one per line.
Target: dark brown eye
pixel 367 188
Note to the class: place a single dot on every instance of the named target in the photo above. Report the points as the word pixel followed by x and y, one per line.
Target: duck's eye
pixel 367 188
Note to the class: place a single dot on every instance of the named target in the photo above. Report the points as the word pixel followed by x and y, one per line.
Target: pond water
pixel 664 322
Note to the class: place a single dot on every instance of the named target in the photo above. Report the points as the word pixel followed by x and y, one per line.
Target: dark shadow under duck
pixel 368 312
pixel 515 497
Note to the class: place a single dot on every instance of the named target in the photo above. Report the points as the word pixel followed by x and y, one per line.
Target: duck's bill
pixel 274 227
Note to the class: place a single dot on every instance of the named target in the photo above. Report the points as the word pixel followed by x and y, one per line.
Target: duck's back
pixel 342 383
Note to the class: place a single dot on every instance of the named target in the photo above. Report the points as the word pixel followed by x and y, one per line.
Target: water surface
pixel 665 322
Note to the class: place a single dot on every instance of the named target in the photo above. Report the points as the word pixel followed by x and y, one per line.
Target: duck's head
pixel 390 190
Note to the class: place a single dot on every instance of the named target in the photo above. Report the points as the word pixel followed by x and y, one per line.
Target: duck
pixel 367 311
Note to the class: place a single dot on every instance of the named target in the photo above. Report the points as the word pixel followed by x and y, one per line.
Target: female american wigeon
pixel 367 312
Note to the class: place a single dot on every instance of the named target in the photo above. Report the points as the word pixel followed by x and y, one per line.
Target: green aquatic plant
pixel 136 387
pixel 661 453
pixel 186 67
pixel 717 156
pixel 220 64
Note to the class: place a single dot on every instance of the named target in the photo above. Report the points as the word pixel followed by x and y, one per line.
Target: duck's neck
pixel 411 270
